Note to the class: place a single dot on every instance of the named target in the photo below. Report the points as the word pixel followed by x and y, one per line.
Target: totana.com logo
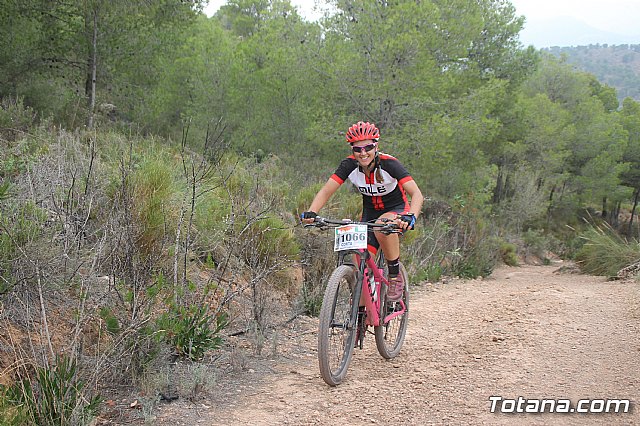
pixel 524 405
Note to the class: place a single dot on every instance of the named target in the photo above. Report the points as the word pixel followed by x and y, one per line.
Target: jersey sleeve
pixel 344 170
pixel 396 169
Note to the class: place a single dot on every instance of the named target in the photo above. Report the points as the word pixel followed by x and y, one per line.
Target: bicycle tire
pixel 390 336
pixel 337 325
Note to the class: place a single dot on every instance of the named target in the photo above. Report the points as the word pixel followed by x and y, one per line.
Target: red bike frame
pixel 373 305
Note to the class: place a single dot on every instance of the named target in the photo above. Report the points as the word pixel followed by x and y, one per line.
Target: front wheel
pixel 337 329
pixel 390 336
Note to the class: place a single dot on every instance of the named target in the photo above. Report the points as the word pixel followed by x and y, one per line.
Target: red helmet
pixel 362 131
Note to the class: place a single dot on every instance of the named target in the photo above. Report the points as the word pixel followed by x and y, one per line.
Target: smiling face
pixel 365 151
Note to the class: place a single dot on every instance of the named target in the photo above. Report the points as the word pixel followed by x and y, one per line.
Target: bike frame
pixel 366 265
pixel 348 306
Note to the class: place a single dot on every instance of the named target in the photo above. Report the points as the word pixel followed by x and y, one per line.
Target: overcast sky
pixel 613 16
pixel 621 16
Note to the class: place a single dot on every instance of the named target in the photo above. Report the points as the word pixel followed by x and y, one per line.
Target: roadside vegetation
pixel 150 185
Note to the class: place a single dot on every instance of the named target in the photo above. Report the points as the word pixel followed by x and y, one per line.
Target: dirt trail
pixel 524 331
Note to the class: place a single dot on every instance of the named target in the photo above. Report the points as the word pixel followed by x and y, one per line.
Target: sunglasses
pixel 367 148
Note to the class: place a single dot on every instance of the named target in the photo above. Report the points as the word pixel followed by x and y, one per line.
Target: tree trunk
pixel 633 210
pixel 508 191
pixel 550 205
pixel 604 208
pixel 615 215
pixel 92 68
pixel 497 191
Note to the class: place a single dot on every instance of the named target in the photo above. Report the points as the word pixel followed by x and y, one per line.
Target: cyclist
pixel 384 184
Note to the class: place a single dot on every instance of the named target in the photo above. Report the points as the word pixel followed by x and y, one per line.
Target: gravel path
pixel 526 332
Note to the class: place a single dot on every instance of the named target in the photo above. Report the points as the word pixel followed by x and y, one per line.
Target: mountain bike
pixel 356 299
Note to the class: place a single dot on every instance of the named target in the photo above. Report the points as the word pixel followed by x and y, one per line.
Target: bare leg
pixel 390 244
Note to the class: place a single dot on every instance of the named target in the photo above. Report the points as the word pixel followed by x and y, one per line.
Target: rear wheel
pixel 390 336
pixel 337 329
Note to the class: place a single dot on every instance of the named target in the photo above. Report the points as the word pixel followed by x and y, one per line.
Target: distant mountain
pixel 615 65
pixel 568 31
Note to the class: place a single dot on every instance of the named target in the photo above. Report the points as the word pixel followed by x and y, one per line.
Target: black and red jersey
pixel 384 195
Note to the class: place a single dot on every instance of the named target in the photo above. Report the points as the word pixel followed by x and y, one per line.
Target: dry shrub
pixel 605 252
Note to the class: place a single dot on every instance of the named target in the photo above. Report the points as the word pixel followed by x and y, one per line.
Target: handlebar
pixel 389 227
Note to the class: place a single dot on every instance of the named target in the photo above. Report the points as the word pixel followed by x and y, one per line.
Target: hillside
pixel 618 66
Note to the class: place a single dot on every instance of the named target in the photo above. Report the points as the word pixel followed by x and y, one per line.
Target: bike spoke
pixel 390 335
pixel 337 331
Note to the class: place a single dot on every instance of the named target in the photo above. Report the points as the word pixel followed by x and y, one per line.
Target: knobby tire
pixel 390 336
pixel 337 328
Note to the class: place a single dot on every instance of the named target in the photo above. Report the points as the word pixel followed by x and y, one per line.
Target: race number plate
pixel 351 237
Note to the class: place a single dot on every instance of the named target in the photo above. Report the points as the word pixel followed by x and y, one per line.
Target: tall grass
pixel 605 252
pixel 52 396
pixel 154 192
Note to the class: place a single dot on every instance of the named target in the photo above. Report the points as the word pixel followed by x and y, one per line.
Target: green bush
pixel 18 156
pixel 479 261
pixel 346 204
pixel 508 253
pixel 431 273
pixel 54 396
pixel 192 330
pixel 154 191
pixel 212 211
pixel 473 267
pixel 15 118
pixel 271 243
pixel 605 252
pixel 535 242
pixel 273 239
pixel 304 198
pixel 52 97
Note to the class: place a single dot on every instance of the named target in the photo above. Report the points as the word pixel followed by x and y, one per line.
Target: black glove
pixel 308 215
pixel 409 218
